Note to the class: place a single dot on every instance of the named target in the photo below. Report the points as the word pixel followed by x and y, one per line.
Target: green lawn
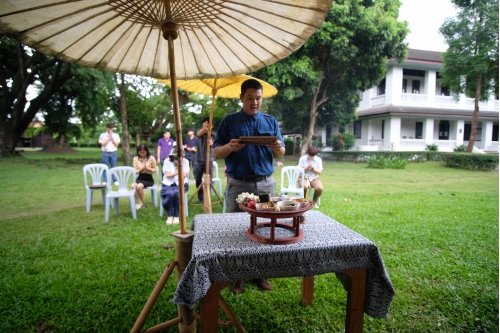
pixel 65 270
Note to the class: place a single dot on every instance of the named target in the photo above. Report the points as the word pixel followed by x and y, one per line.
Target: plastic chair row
pixel 93 175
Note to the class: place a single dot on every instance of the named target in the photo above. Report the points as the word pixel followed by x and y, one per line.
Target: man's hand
pixel 277 148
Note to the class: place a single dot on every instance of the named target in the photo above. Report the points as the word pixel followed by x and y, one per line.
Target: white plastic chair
pixel 92 175
pixel 290 180
pixel 125 176
pixel 154 188
pixel 185 205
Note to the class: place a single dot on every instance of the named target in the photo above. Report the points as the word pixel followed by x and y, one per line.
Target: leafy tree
pixel 318 83
pixel 471 61
pixel 20 68
pixel 86 96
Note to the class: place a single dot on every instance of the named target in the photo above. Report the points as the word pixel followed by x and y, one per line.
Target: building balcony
pixel 445 102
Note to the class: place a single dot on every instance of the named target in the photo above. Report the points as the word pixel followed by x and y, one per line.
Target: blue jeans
pixel 110 160
pixel 170 198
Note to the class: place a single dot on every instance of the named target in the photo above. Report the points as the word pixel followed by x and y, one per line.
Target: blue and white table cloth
pixel 222 252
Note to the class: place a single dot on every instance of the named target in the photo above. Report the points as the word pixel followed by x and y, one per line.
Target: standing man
pixel 249 168
pixel 201 156
pixel 313 166
pixel 164 146
pixel 109 144
pixel 190 144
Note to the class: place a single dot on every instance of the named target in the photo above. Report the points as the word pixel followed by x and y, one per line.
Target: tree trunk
pixel 59 144
pixel 14 116
pixel 312 116
pixel 137 139
pixel 123 111
pixel 475 115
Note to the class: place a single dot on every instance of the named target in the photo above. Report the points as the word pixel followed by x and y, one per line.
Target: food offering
pixel 289 212
pixel 248 200
pixel 288 205
pixel 266 206
pixel 303 202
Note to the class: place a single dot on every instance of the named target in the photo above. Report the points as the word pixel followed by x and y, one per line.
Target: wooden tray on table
pixel 273 224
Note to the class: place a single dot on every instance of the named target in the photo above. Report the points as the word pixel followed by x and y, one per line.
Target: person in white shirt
pixel 313 167
pixel 169 188
pixel 109 142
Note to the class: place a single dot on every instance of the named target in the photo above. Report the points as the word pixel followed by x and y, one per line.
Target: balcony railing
pixel 469 103
pixel 414 99
pixel 379 100
pixel 412 143
pixel 445 143
pixel 446 101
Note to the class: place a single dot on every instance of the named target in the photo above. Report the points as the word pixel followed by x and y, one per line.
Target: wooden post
pixel 307 290
pixel 183 253
pixel 355 300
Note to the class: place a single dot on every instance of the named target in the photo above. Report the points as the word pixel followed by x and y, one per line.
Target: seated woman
pixel 169 189
pixel 144 165
pixel 313 167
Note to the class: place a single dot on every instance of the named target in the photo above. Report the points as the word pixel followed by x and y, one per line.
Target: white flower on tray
pixel 241 197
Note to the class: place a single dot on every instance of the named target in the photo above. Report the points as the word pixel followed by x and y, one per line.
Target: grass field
pixel 65 270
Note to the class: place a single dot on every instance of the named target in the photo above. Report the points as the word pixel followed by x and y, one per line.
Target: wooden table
pixel 222 253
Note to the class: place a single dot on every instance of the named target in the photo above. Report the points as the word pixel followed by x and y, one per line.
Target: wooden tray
pixel 258 140
pixel 296 216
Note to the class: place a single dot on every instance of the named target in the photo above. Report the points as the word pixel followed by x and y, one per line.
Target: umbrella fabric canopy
pixel 215 39
pixel 228 87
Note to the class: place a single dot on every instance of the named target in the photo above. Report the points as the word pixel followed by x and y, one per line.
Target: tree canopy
pixel 319 83
pixel 471 60
pixel 20 68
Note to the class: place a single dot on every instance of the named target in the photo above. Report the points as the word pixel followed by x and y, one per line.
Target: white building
pixel 409 110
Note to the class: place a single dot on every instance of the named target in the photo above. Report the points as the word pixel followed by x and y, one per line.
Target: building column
pixel 394 133
pixel 487 134
pixel 429 131
pixel 430 86
pixel 459 137
pixel 393 85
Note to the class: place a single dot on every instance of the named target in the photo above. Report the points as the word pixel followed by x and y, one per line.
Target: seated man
pixel 313 166
pixel 169 187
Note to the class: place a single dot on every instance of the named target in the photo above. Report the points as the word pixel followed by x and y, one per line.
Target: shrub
pixel 289 147
pixel 349 140
pixel 471 161
pixel 381 162
pixel 339 143
pixel 432 147
pixel 460 149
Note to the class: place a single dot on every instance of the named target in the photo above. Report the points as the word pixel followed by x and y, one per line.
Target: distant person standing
pixel 190 147
pixel 201 156
pixel 164 147
pixel 109 142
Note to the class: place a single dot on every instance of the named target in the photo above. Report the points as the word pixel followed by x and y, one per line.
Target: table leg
pixel 209 310
pixel 307 290
pixel 355 300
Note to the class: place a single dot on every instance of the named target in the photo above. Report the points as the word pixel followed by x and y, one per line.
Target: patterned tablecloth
pixel 222 252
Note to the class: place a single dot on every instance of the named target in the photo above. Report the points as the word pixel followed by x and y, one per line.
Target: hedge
pixel 471 161
pixel 454 160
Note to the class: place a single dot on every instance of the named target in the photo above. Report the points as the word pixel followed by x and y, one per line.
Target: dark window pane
pixel 418 129
pixel 467 130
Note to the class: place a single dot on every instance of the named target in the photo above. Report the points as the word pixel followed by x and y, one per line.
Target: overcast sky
pixel 424 18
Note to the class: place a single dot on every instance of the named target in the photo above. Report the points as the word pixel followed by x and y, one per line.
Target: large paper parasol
pixel 213 38
pixel 228 87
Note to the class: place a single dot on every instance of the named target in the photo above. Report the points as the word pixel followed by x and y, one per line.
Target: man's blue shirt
pixel 252 160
